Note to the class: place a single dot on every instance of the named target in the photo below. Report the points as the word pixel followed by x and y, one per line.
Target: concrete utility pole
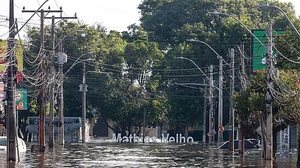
pixel 204 111
pixel 11 88
pixel 60 98
pixel 42 95
pixel 268 114
pixel 211 132
pixel 84 90
pixel 144 124
pixel 220 103
pixel 52 69
pixel 231 110
pixel 243 84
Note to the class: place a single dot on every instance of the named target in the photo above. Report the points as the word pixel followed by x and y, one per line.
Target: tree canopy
pixel 139 70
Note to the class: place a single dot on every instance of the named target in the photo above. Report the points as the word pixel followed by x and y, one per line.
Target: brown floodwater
pixel 100 154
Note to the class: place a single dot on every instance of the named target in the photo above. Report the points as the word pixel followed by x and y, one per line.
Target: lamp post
pixel 276 7
pixel 210 98
pixel 238 20
pixel 261 6
pixel 83 89
pixel 191 85
pixel 220 97
pixel 267 116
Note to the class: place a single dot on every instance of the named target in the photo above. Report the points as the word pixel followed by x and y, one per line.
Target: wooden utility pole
pixel 53 72
pixel 220 103
pixel 11 88
pixel 42 95
pixel 268 114
pixel 211 132
pixel 231 110
pixel 51 118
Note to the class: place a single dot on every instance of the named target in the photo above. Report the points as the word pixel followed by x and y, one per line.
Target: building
pixel 72 128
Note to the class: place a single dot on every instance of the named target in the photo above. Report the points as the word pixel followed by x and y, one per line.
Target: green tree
pixel 250 102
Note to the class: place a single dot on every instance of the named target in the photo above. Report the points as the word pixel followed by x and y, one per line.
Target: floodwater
pixel 107 155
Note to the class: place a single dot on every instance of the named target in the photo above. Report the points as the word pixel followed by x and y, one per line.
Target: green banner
pixel 259 50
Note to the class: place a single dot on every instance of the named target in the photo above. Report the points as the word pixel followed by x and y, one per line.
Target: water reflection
pixel 140 155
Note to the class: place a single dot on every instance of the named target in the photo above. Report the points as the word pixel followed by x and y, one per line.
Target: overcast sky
pixel 112 14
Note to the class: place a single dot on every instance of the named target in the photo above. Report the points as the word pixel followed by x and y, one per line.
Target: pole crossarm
pixel 68 17
pixel 32 16
pixel 46 11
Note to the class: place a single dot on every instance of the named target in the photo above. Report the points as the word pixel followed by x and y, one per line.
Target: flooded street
pixel 140 155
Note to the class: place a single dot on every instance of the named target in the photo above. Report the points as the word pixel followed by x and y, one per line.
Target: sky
pixel 112 14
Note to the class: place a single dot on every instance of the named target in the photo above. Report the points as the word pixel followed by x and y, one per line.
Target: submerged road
pixel 100 154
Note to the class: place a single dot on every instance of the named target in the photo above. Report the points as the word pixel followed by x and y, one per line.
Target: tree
pixel 250 102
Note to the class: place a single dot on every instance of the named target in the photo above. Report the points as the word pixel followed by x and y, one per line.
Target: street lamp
pixel 235 18
pixel 220 100
pixel 199 41
pixel 261 6
pixel 269 62
pixel 83 89
pixel 232 16
pixel 210 94
pixel 194 64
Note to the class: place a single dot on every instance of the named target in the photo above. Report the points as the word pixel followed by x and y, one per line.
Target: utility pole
pixel 243 84
pixel 231 111
pixel 204 112
pixel 268 114
pixel 42 95
pixel 211 132
pixel 84 90
pixel 52 69
pixel 220 104
pixel 61 102
pixel 51 118
pixel 11 88
pixel 243 69
pixel 144 124
pixel 61 60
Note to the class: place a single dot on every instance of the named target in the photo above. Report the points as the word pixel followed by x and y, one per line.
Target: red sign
pixel 221 129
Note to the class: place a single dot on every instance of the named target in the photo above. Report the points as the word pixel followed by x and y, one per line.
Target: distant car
pixel 21 144
pixel 256 142
pixel 248 144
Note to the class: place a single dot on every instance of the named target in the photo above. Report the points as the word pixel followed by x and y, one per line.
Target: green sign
pixel 259 50
pixel 21 99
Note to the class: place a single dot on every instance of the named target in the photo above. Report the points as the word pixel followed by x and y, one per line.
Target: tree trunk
pixel 114 130
pixel 241 139
pixel 263 134
pixel 298 152
pixel 186 132
pixel 275 141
